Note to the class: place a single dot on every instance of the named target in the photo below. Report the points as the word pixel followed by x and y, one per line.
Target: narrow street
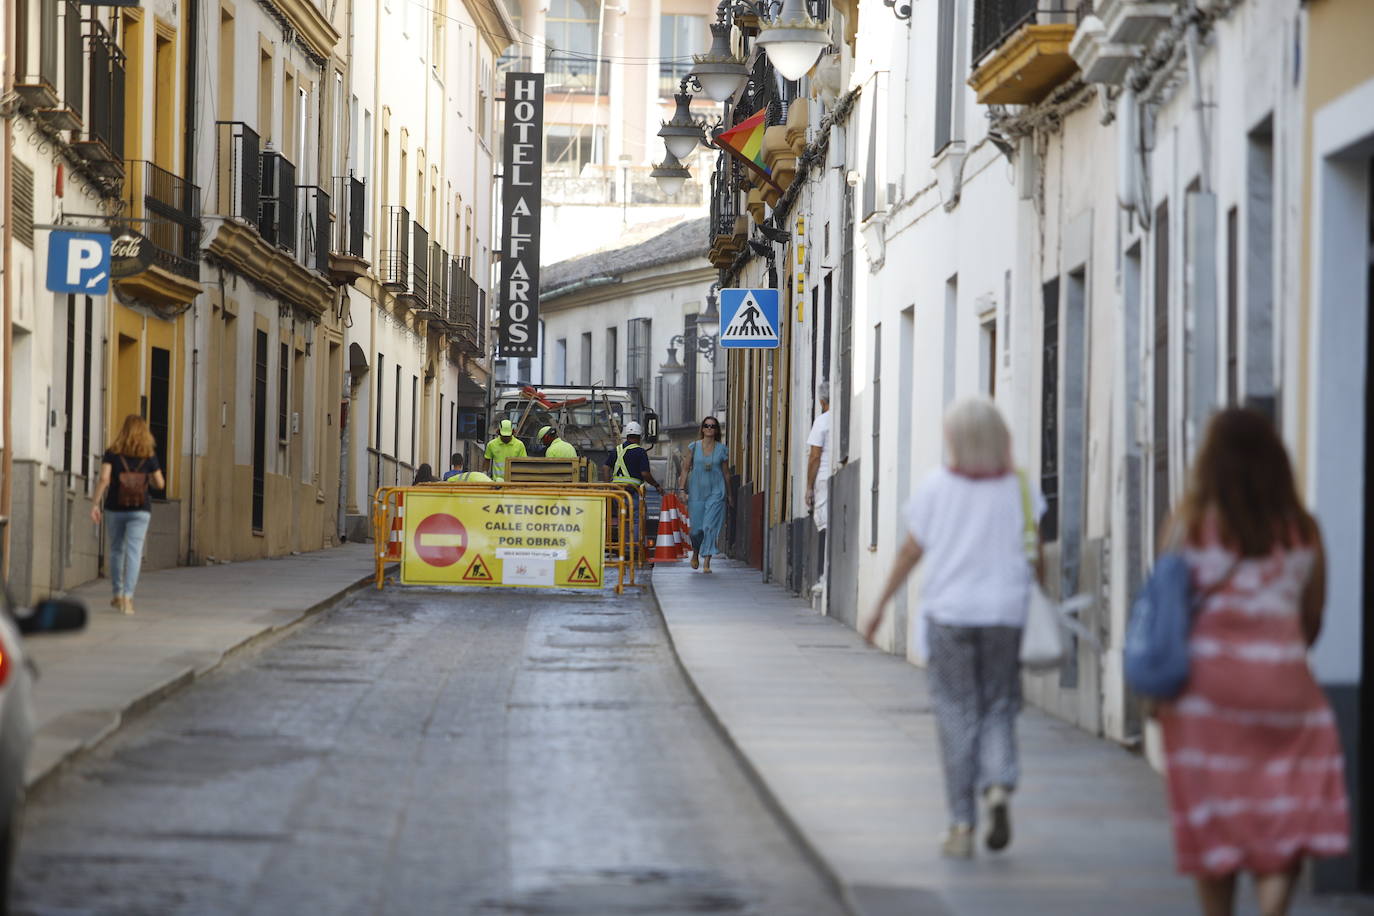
pixel 423 751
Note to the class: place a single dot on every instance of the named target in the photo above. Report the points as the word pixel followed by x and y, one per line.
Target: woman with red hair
pixel 1255 770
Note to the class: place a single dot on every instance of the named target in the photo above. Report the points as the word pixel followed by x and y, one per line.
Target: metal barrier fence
pixel 626 514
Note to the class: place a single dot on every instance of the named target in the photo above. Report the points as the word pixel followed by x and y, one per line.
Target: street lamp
pixel 710 317
pixel 719 71
pixel 793 40
pixel 682 132
pixel 670 174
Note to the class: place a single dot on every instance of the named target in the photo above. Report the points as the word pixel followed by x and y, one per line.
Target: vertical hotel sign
pixel 520 201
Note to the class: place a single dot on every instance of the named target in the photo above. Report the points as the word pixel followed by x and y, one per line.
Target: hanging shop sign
pixel 131 253
pixel 520 204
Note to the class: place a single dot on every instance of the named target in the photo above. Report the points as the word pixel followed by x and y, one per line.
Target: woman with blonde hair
pixel 129 470
pixel 967 524
pixel 1256 777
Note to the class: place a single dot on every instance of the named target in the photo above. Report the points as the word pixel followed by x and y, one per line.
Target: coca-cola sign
pixel 130 253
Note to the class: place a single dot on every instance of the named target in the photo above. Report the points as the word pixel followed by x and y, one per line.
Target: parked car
pixel 17 673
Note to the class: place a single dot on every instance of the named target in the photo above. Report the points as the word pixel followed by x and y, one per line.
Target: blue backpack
pixel 1156 651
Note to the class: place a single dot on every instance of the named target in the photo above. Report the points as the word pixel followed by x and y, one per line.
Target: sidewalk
pixel 189 619
pixel 841 736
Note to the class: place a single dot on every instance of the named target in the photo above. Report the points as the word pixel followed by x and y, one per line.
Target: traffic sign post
pixel 79 262
pixel 749 318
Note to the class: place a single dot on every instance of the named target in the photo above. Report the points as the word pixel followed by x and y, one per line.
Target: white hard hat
pixel 633 429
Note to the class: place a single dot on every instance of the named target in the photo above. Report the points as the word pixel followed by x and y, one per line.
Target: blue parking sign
pixel 749 318
pixel 79 262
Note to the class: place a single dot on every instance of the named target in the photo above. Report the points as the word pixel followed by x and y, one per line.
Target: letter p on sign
pixel 79 262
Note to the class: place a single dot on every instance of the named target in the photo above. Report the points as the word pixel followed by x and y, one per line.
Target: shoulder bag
pixel 1042 638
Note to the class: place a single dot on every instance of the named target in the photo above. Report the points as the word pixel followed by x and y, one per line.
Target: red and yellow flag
pixel 744 141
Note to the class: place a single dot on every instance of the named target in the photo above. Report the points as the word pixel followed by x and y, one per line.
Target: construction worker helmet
pixel 633 429
pixel 544 431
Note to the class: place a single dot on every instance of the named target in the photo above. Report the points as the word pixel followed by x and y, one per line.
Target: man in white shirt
pixel 818 462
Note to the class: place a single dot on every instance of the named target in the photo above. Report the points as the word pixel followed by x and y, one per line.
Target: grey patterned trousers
pixel 975 689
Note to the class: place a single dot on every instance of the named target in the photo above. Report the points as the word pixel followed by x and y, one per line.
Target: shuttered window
pixel 23 203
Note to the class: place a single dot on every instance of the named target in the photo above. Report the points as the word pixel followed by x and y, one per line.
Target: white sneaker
pixel 957 842
pixel 999 817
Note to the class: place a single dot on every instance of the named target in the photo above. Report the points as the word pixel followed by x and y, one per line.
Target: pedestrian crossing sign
pixel 749 318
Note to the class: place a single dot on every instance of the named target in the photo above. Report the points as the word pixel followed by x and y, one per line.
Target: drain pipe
pixel 7 297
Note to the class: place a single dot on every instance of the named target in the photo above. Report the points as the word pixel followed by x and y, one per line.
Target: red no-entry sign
pixel 440 540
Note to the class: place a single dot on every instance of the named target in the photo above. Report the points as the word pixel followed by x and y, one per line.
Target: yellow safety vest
pixel 620 473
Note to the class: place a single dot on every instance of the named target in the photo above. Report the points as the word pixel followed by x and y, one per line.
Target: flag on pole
pixel 744 141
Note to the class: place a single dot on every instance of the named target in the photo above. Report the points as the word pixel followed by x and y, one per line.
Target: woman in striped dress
pixel 1253 759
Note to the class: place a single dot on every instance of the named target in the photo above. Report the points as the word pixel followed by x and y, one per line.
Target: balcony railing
pixel 395 253
pixel 419 270
pixel 238 166
pixel 565 72
pixel 725 183
pixel 315 228
pixel 350 196
pixel 37 74
pixel 169 206
pixel 277 202
pixel 102 142
pixel 764 91
pixel 994 21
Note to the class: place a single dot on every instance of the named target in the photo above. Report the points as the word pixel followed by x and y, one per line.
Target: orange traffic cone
pixel 398 524
pixel 666 549
pixel 681 528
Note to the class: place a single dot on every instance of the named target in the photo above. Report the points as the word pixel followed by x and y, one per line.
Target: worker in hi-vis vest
pixel 554 445
pixel 629 464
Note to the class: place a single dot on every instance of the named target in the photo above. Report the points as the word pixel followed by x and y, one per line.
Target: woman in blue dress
pixel 705 478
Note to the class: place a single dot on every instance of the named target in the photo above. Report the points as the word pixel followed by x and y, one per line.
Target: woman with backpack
pixel 1255 770
pixel 128 471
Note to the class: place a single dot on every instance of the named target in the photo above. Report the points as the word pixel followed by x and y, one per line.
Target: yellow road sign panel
pixel 511 539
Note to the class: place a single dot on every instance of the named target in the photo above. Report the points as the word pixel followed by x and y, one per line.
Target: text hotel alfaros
pixel 521 199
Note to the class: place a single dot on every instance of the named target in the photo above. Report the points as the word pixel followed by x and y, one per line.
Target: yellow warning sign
pixel 510 538
pixel 478 571
pixel 583 574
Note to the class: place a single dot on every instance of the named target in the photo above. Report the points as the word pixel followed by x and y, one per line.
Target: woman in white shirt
pixel 967 523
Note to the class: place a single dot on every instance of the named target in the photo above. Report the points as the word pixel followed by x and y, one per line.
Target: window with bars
pixel 639 356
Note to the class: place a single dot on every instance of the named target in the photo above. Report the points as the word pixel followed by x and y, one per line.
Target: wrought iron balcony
pixel 1021 49
pixel 418 290
pixel 36 64
pixel 238 164
pixel 395 252
pixel 350 197
pixel 101 143
pixel 169 209
pixel 571 73
pixel 994 21
pixel 315 228
pixel 277 202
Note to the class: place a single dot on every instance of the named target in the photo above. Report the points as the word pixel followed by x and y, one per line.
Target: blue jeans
pixel 128 531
